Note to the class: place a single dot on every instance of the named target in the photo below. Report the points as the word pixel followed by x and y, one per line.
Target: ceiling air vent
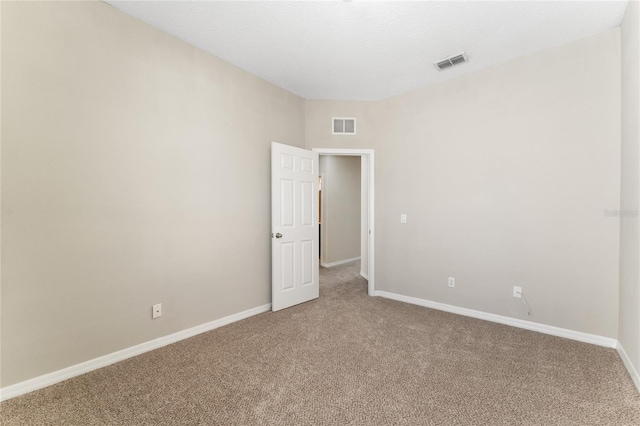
pixel 451 61
pixel 344 126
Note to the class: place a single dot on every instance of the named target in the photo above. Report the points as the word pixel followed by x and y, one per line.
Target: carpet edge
pixel 514 322
pixel 635 377
pixel 52 378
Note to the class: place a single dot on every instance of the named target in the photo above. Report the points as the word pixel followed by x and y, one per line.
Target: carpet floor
pixel 348 359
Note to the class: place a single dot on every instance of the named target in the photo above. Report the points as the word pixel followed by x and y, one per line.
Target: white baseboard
pixel 630 368
pixel 49 379
pixel 339 262
pixel 514 322
pixel 363 275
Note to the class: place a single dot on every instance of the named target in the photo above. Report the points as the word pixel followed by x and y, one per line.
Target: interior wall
pixel 507 176
pixel 135 171
pixel 364 216
pixel 629 335
pixel 340 208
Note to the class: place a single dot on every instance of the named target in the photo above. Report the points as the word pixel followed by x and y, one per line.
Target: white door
pixel 294 226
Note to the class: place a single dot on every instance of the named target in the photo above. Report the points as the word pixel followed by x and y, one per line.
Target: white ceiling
pixel 369 50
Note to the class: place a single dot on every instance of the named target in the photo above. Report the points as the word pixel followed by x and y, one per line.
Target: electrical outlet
pixel 156 311
pixel 403 218
pixel 452 282
pixel 517 292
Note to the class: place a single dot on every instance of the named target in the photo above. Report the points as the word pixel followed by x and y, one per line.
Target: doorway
pixel 367 245
pixel 342 238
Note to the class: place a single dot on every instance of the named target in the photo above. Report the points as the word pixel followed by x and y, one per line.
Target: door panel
pixel 294 225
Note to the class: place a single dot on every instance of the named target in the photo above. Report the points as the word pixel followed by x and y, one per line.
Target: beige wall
pixel 629 334
pixel 135 170
pixel 505 175
pixel 340 208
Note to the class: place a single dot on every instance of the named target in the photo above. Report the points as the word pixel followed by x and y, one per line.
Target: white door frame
pixel 369 153
pixel 321 202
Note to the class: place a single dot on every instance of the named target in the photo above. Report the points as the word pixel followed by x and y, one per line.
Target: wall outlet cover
pixel 156 311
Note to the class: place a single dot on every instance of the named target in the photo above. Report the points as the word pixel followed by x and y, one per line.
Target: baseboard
pixel 630 368
pixel 49 379
pixel 339 262
pixel 514 322
pixel 365 276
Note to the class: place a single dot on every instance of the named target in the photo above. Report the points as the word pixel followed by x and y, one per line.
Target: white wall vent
pixel 451 61
pixel 343 126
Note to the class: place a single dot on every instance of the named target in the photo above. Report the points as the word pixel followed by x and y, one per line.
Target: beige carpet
pixel 348 359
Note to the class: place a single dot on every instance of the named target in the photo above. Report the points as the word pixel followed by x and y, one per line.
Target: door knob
pixel 278 235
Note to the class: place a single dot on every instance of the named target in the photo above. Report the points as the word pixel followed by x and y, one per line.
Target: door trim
pixel 370 154
pixel 321 206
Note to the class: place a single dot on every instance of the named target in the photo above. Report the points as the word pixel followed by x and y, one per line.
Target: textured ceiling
pixel 368 50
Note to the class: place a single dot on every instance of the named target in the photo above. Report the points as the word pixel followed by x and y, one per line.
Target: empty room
pixel 320 212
